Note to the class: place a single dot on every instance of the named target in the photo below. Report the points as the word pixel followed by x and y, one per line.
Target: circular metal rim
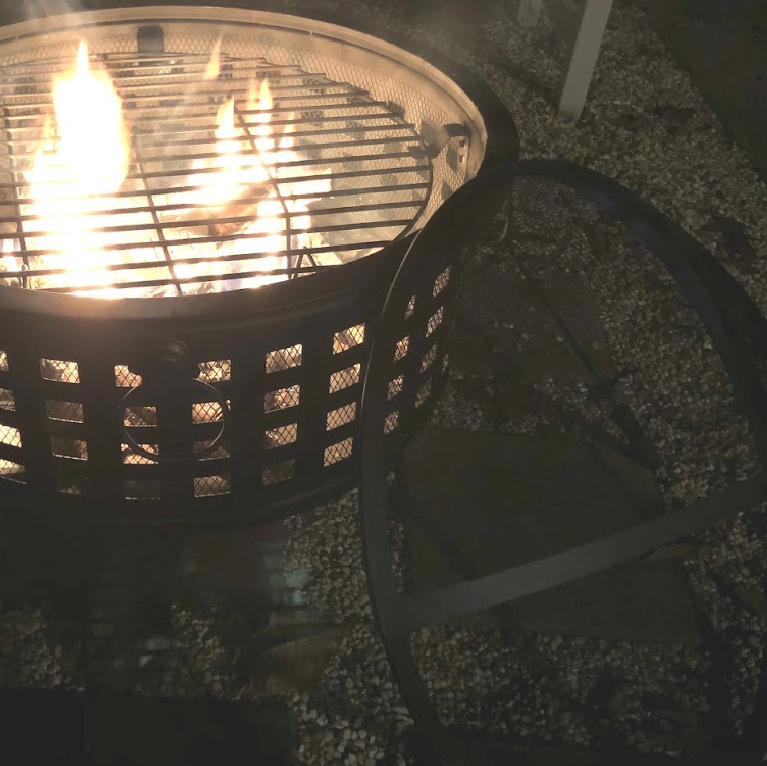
pixel 502 145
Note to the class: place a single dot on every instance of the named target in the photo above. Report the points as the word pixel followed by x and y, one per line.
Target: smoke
pixel 40 9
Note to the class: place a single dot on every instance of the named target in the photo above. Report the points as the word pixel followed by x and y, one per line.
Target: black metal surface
pixel 732 323
pixel 68 362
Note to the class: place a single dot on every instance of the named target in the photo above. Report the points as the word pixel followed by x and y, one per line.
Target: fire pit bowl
pixel 202 211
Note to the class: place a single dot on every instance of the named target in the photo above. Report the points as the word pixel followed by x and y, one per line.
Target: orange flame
pixel 84 159
pixel 213 69
pixel 90 157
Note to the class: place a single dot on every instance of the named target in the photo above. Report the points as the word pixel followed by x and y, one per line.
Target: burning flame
pixel 244 156
pixel 81 165
pixel 89 158
pixel 213 69
pixel 95 151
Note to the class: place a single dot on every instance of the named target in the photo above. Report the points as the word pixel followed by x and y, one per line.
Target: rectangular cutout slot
pixel 276 437
pixel 348 338
pixel 124 378
pixel 10 436
pixel 73 449
pixel 12 470
pixel 209 486
pixel 395 386
pixel 207 412
pixel 284 358
pixel 401 349
pixel 7 402
pixel 60 370
pixel 282 398
pixel 278 472
pixel 428 360
pixel 434 321
pixel 441 282
pixel 142 489
pixel 344 378
pixel 133 458
pixel 140 417
pixel 215 371
pixel 71 488
pixel 221 451
pixel 341 416
pixel 339 451
pixel 391 422
pixel 69 412
pixel 423 394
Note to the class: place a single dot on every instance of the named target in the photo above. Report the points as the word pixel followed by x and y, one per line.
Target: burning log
pixel 244 206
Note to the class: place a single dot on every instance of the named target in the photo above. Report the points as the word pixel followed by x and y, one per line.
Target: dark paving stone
pixel 487 502
pixel 723 45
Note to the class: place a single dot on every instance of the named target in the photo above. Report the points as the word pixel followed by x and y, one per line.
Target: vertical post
pixel 528 12
pixel 583 55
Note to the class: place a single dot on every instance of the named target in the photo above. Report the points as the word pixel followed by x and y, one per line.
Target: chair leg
pixel 583 56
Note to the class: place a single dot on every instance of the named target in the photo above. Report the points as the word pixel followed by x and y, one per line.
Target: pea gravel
pixel 647 125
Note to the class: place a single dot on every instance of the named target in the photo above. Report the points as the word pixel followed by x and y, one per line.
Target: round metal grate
pixel 310 173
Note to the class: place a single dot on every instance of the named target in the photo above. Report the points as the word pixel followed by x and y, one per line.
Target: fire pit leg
pixel 131 602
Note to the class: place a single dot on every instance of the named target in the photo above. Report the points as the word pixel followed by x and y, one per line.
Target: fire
pixel 94 150
pixel 88 158
pixel 243 187
pixel 213 69
pixel 245 153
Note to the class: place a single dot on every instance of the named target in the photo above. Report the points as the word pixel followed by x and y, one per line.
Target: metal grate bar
pixel 319 120
pixel 202 96
pixel 167 174
pixel 204 278
pixel 205 117
pixel 160 226
pixel 195 113
pixel 146 69
pixel 356 191
pixel 143 265
pixel 313 147
pixel 161 236
pixel 349 119
pixel 17 208
pixel 311 133
pixel 148 244
pixel 369 208
pixel 291 180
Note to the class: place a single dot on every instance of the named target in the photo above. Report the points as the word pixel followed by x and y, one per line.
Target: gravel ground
pixel 646 125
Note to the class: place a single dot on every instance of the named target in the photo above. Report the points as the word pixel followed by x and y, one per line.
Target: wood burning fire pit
pixel 202 211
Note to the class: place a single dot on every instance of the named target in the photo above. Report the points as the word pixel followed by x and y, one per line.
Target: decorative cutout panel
pixel 284 358
pixel 339 451
pixel 59 370
pixel 344 378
